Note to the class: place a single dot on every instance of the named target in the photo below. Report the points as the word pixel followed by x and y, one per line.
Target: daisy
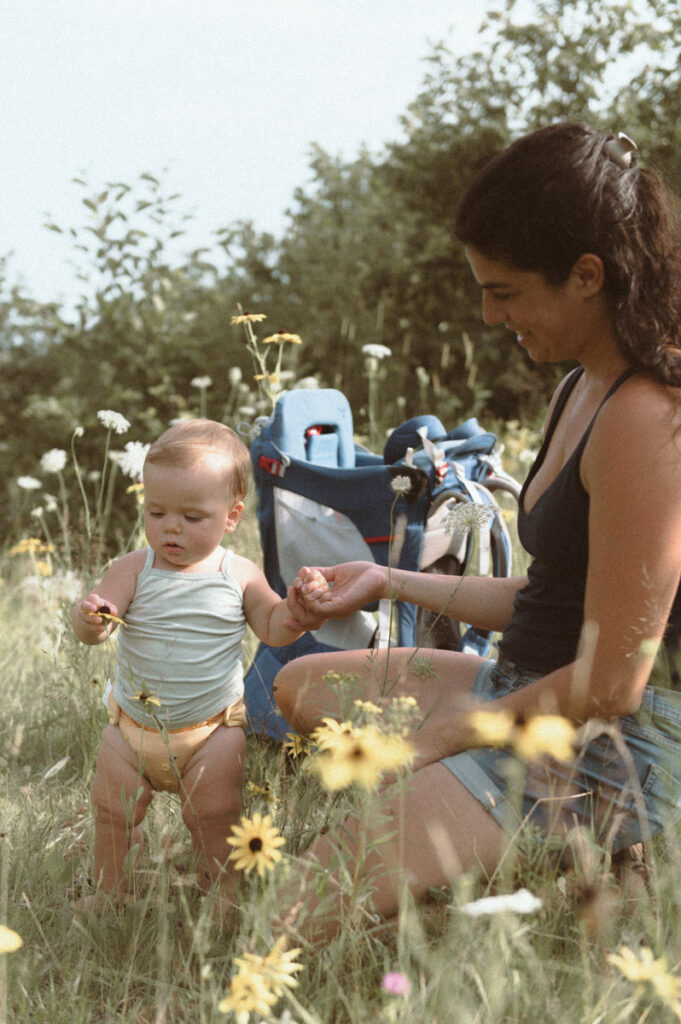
pixel 276 969
pixel 360 758
pixel 248 318
pixel 256 844
pixel 248 994
pixel 280 337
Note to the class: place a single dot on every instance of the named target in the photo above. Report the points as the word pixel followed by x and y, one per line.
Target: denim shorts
pixel 624 783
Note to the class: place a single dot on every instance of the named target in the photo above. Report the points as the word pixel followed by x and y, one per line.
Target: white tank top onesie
pixel 181 646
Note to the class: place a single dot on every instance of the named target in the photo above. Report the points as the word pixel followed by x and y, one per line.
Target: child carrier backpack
pixel 323 499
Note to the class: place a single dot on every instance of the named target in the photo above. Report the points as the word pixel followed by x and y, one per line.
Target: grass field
pixel 167 959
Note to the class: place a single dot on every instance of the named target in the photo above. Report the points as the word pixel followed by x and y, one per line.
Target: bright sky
pixel 221 99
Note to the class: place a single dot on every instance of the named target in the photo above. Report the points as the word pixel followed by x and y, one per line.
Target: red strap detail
pixel 378 540
pixel 271 466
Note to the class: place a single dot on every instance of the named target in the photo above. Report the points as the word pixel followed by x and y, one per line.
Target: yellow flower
pixel 248 318
pixel 43 568
pixel 256 844
pixel 645 968
pixel 103 613
pixel 248 993
pixel 260 791
pixel 276 969
pixel 280 337
pixel 271 377
pixel 492 728
pixel 141 696
pixel 326 734
pixel 369 707
pixel 360 757
pixel 10 941
pixel 546 734
pixel 295 745
pixel 31 546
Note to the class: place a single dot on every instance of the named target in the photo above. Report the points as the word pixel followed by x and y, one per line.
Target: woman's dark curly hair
pixel 558 193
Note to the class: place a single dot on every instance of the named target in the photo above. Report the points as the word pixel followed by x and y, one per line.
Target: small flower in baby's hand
pixel 104 612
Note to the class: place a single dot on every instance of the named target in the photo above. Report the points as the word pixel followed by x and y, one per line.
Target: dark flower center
pixel 255 845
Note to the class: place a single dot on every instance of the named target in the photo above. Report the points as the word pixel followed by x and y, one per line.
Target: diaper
pixel 165 755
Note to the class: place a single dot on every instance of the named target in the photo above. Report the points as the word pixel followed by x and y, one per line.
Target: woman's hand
pixel 339 590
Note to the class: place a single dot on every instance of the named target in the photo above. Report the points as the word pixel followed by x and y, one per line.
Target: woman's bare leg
pixel 316 686
pixel 428 830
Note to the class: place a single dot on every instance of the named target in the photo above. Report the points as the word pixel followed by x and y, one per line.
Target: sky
pixel 220 99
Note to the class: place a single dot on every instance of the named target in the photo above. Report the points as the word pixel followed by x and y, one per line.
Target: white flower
pixel 53 461
pixel 401 484
pixel 376 351
pixel 462 516
pixel 132 459
pixel 113 421
pixel 50 502
pixel 235 375
pixel 78 432
pixel 37 513
pixel 520 902
pixel 527 455
pixel 29 483
pixel 202 382
pixel 308 383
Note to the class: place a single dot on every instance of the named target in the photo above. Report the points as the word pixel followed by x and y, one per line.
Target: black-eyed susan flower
pixel 277 969
pixel 260 791
pixel 31 546
pixel 644 969
pixel 281 337
pixel 295 745
pixel 326 734
pixel 105 613
pixel 256 843
pixel 360 757
pixel 146 698
pixel 248 993
pixel 248 318
pixel 10 940
pixel 492 728
pixel 546 734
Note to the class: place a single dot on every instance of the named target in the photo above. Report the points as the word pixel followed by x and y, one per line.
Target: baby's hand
pixel 311 584
pixel 94 613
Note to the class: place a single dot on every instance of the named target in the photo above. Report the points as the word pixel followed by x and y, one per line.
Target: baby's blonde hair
pixel 190 441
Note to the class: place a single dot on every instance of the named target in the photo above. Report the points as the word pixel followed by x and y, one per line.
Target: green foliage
pixel 367 257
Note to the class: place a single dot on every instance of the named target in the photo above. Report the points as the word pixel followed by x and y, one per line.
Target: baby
pixel 176 710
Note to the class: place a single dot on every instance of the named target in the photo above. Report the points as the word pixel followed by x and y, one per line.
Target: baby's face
pixel 186 514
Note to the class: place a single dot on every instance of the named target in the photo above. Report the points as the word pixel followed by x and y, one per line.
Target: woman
pixel 577 251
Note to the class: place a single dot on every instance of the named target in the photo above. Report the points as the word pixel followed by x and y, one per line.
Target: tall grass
pixel 168 958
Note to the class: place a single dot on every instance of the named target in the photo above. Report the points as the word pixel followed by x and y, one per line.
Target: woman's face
pixel 553 323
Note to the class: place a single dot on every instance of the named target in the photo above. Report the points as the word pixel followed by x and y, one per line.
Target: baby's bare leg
pixel 116 823
pixel 211 803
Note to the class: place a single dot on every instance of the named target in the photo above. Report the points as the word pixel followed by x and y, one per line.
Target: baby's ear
pixel 233 517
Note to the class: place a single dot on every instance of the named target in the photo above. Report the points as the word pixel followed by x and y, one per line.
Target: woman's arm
pixel 481 601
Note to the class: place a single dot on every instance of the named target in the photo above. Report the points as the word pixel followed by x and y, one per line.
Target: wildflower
pixel 37 512
pixel 520 902
pixel 376 351
pixel 78 432
pixel 202 382
pixel 53 461
pixel 104 613
pixel 260 791
pixel 282 336
pixel 31 546
pixel 43 568
pixel 248 318
pixel 422 667
pixel 360 758
pixel 9 940
pixel 271 377
pixel 276 969
pixel 295 745
pixel 400 484
pixel 492 728
pixel 462 516
pixel 141 696
pixel 527 455
pixel 247 410
pixel 248 994
pixel 131 460
pixel 645 968
pixel 546 734
pixel 234 375
pixel 396 984
pixel 256 844
pixel 113 421
pixel 368 706
pixel 28 483
pixel 325 735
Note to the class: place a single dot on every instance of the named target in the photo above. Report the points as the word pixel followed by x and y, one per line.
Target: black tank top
pixel 544 632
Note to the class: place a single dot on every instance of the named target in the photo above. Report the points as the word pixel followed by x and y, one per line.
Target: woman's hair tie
pixel 621 151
